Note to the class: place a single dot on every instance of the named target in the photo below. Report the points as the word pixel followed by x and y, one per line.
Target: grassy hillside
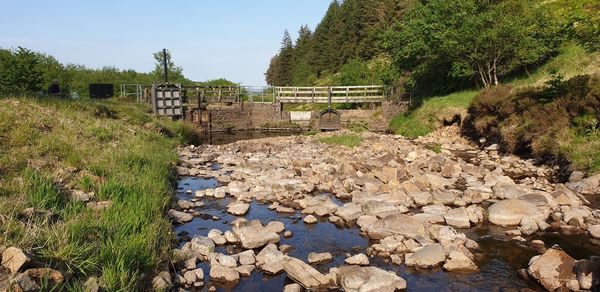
pixel 573 60
pixel 50 149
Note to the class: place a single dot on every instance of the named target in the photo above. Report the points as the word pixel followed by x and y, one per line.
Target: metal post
pixel 330 94
pixel 165 64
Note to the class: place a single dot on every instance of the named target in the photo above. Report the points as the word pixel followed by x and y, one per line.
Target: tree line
pixel 26 72
pixel 433 46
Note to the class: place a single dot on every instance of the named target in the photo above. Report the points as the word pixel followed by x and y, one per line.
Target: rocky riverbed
pixel 391 211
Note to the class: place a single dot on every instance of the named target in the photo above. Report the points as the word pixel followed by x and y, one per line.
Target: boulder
pixel 227 261
pixel 317 258
pixel 221 274
pixel 554 269
pixel 320 205
pixel 359 259
pixel 511 212
pixel 458 261
pixel 238 208
pixel 368 279
pixel 429 256
pixel 14 259
pixel 292 288
pixel 457 218
pixel 303 273
pixel 378 208
pixel 180 217
pixel 252 234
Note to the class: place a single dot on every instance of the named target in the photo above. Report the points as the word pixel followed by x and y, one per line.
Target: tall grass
pixel 128 157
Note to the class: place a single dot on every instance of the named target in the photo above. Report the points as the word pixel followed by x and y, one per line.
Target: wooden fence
pixel 339 94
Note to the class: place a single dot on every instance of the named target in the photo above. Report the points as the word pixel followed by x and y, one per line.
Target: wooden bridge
pixel 338 94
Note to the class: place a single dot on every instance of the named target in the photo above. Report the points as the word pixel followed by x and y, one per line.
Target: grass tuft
pixel 350 140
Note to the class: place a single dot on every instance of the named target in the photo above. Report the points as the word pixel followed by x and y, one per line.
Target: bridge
pixel 334 94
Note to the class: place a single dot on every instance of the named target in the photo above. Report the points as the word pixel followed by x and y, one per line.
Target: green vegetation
pixel 474 40
pixel 558 121
pixel 347 41
pixel 431 114
pixel 350 140
pixel 50 147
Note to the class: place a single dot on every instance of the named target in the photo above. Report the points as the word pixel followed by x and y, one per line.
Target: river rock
pixel 317 258
pixel 238 208
pixel 587 272
pixel 252 234
pixel 377 208
pixel 427 257
pixel 193 276
pixel 594 231
pixel 180 217
pixel 397 224
pixel 23 282
pixel 511 212
pixel 221 274
pixel 185 204
pixel 554 269
pixel 246 257
pixel 320 205
pixel 457 261
pixel 368 279
pixel 349 212
pixel 270 259
pixel 14 259
pixel 276 226
pixel 359 259
pixel 310 219
pixel 292 288
pixel 202 245
pixel 457 218
pixel 227 261
pixel 245 270
pixel 217 237
pixel 303 273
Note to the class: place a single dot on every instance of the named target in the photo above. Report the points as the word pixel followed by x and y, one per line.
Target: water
pixel 499 258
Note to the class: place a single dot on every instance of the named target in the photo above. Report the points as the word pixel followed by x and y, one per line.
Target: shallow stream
pixel 499 258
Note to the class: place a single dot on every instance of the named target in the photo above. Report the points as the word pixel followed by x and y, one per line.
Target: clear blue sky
pixel 233 39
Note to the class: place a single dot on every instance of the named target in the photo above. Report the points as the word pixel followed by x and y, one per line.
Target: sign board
pixel 300 116
pixel 101 90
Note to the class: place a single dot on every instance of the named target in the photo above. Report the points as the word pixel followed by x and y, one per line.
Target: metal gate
pixel 167 100
pixel 329 120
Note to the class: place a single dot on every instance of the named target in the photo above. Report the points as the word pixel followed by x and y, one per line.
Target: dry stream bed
pixel 289 213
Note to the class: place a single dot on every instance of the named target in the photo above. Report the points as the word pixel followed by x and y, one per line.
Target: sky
pixel 210 39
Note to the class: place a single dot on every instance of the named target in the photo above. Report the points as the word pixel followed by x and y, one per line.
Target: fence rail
pixel 339 94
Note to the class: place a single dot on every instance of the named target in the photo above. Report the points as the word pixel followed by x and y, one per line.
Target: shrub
pixel 550 122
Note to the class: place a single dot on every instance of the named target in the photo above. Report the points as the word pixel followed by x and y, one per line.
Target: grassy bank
pixel 573 60
pixel 50 148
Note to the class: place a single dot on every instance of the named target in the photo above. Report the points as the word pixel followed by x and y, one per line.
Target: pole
pixel 165 68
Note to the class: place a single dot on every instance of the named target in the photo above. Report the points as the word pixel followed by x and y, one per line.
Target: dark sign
pixel 101 90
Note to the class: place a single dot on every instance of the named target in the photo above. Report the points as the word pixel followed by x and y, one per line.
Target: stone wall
pixel 242 116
